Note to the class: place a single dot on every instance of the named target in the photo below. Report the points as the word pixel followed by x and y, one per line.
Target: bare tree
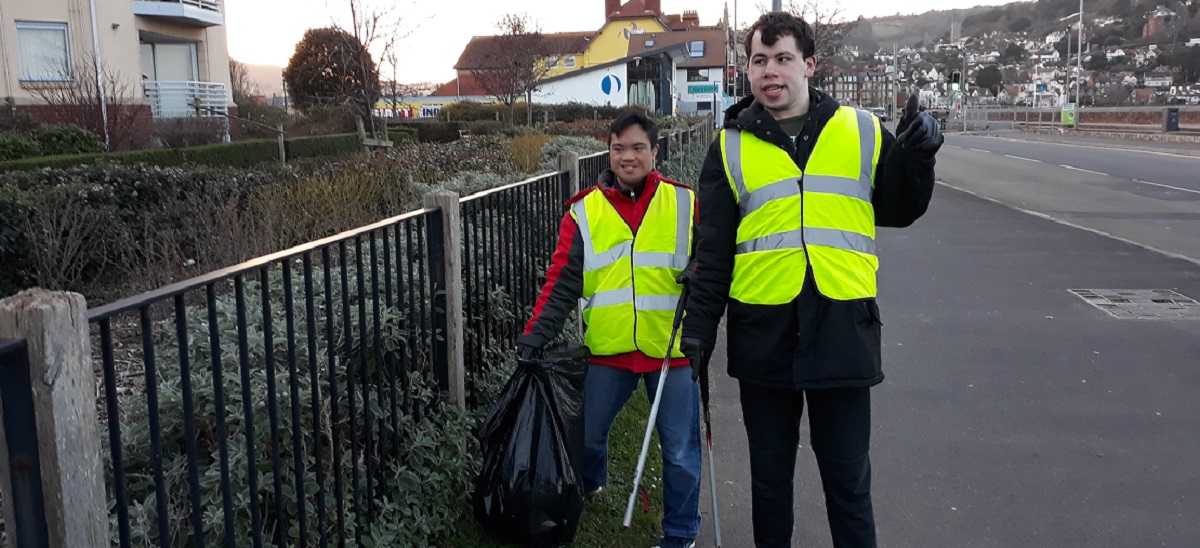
pixel 394 87
pixel 103 105
pixel 379 30
pixel 372 25
pixel 239 78
pixel 64 230
pixel 830 28
pixel 511 67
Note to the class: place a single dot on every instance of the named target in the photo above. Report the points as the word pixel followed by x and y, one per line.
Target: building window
pixel 569 61
pixel 42 52
pixel 169 62
pixel 552 62
pixel 697 75
pixel 704 105
pixel 696 48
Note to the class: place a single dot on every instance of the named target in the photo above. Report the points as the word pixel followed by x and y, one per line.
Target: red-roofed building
pixel 639 55
pixel 466 85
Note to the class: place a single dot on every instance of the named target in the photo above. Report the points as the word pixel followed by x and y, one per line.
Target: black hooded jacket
pixel 812 342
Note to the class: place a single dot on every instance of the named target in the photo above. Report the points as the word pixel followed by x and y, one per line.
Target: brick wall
pixel 1143 116
pixel 130 126
pixel 1152 116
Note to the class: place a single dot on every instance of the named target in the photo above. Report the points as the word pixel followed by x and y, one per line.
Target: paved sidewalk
pixel 1014 413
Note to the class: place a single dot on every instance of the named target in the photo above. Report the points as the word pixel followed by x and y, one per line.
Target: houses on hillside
pixel 668 63
pixel 672 63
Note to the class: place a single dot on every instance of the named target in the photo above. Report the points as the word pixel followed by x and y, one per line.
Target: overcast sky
pixel 265 32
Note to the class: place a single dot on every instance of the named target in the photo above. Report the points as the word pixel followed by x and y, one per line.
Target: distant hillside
pixel 1036 18
pixel 267 78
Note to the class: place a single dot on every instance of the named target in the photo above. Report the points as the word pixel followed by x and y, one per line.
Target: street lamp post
pixel 736 56
pixel 1079 65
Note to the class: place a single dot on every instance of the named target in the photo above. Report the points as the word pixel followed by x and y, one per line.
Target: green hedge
pixel 445 132
pixel 398 133
pixel 14 145
pixel 324 146
pixel 236 154
pixel 15 264
pixel 468 111
pixel 47 139
pixel 435 132
pixel 101 218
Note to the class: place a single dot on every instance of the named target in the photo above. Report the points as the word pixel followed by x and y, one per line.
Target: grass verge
pixel 600 524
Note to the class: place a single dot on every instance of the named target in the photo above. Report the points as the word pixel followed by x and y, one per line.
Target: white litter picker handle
pixel 662 381
pixel 641 465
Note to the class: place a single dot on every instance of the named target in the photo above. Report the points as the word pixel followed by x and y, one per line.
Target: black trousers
pixel 840 421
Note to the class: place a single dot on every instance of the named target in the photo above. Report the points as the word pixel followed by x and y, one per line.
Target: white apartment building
pixel 166 56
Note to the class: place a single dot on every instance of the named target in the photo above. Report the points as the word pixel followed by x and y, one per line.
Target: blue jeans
pixel 607 390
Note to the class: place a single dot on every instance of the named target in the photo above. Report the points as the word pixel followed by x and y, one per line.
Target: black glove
pixel 697 352
pixel 527 352
pixel 688 273
pixel 918 131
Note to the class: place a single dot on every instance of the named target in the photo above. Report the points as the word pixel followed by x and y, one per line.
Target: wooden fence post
pixel 55 328
pixel 569 162
pixel 448 203
pixel 362 134
pixel 282 145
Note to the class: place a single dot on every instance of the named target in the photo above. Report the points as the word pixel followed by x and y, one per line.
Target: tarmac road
pixel 1151 198
pixel 1014 413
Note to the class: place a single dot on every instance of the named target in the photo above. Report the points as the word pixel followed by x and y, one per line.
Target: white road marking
pixel 1024 141
pixel 1084 170
pixel 1171 254
pixel 1167 186
pixel 979 150
pixel 1023 158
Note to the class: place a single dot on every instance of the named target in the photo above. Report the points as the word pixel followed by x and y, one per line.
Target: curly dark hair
pixel 774 24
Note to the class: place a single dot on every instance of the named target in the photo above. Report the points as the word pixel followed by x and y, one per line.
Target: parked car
pixel 881 113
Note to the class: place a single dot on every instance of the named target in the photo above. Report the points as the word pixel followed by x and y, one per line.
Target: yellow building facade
pixel 609 44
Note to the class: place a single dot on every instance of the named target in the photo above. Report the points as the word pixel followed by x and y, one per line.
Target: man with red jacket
pixel 621 247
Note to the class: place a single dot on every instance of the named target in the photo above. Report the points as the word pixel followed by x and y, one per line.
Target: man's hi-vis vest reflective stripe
pixel 629 288
pixel 791 219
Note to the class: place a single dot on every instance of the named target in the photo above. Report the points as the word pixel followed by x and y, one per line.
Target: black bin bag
pixel 528 491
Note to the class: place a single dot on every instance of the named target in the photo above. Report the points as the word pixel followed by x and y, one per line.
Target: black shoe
pixel 676 542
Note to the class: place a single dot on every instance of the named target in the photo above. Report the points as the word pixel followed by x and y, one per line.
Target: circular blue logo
pixel 611 84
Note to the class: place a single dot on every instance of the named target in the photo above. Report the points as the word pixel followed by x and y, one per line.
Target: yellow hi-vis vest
pixel 629 287
pixel 791 219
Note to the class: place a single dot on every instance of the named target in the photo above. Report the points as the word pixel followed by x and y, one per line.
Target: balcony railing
pixel 204 13
pixel 211 5
pixel 175 99
pixel 214 5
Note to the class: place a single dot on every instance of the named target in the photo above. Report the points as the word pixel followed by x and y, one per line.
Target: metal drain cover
pixel 1142 304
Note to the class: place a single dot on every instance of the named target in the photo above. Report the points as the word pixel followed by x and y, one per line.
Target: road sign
pixel 1068 114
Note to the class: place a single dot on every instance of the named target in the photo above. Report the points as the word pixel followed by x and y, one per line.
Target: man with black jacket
pixel 790 195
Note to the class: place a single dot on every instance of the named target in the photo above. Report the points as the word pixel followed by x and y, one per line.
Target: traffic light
pixel 955 80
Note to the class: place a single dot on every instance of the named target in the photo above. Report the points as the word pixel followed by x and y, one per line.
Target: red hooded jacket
pixel 564 279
